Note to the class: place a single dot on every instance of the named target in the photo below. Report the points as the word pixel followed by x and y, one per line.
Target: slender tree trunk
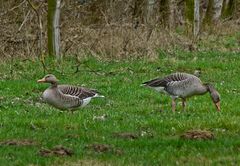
pixel 224 6
pixel 57 29
pixel 236 11
pixel 196 18
pixel 53 28
pixel 217 8
pixel 203 9
pixel 150 11
pixel 180 12
pixel 207 20
pixel 163 8
pixel 172 8
pixel 51 10
pixel 138 11
pixel 149 17
pixel 228 7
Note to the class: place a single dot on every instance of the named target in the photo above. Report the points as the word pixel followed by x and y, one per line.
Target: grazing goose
pixel 66 97
pixel 183 85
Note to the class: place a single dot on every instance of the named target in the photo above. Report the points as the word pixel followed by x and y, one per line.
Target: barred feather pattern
pixel 183 85
pixel 79 92
pixel 69 101
pixel 55 97
pixel 66 96
pixel 179 85
pixel 163 82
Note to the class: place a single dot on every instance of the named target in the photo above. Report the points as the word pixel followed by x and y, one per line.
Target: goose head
pixel 49 78
pixel 197 73
pixel 214 95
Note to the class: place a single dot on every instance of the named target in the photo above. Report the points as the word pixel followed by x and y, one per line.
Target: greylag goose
pixel 183 85
pixel 66 97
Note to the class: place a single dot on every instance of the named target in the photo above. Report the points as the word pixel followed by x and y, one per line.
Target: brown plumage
pixel 66 97
pixel 183 85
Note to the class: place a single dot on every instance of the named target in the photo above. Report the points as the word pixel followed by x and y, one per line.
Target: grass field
pixel 127 108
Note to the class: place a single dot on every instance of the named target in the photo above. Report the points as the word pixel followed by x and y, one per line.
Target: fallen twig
pixel 24 21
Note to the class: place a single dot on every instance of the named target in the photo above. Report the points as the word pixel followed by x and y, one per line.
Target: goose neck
pixel 209 87
pixel 54 85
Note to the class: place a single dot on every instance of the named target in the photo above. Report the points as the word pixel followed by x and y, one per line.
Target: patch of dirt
pixel 15 142
pixel 57 150
pixel 198 134
pixel 103 148
pixel 85 162
pixel 126 135
pixel 99 147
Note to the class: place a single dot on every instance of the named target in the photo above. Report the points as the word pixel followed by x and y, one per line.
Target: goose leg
pixel 71 110
pixel 173 104
pixel 184 104
pixel 161 108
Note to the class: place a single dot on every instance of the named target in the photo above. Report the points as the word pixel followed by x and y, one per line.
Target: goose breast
pixel 60 100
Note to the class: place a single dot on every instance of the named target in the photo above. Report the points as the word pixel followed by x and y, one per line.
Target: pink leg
pixel 173 105
pixel 161 108
pixel 184 104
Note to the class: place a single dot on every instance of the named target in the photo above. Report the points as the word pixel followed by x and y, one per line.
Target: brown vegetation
pixel 15 142
pixel 58 151
pixel 104 148
pixel 104 29
pixel 198 135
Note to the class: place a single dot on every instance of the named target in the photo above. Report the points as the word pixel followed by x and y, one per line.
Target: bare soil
pixel 15 142
pixel 104 148
pixel 198 135
pixel 57 150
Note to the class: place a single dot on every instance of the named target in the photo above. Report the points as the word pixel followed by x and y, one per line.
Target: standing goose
pixel 183 85
pixel 66 97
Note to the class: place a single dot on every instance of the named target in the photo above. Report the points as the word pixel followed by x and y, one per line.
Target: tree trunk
pixel 207 20
pixel 196 18
pixel 228 8
pixel 149 17
pixel 180 12
pixel 217 8
pixel 57 29
pixel 163 8
pixel 138 11
pixel 224 6
pixel 172 8
pixel 53 28
pixel 203 9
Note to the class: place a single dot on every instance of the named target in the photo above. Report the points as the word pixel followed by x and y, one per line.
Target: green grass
pixel 129 108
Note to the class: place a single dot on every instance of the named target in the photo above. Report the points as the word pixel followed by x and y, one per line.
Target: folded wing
pixel 80 92
pixel 164 82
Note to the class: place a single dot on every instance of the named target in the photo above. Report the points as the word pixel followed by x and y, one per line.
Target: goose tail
pixel 98 95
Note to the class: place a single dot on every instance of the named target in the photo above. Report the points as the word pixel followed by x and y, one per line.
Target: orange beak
pixel 41 80
pixel 218 105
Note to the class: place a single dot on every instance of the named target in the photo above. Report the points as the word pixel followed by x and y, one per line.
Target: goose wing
pixel 170 79
pixel 80 92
